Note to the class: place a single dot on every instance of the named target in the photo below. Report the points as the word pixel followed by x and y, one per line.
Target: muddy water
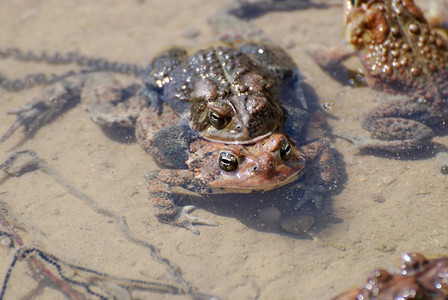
pixel 387 205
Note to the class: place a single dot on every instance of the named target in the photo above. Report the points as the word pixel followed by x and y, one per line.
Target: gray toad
pixel 228 94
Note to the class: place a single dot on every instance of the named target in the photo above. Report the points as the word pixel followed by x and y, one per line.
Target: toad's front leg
pixel 323 174
pixel 54 100
pixel 101 96
pixel 160 184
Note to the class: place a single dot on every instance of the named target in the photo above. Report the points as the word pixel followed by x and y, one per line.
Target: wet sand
pixel 387 205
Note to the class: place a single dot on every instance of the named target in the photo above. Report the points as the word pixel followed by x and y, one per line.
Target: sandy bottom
pixel 387 205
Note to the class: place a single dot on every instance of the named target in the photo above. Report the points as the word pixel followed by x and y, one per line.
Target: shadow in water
pixel 255 9
pixel 422 153
pixel 124 135
pixel 346 76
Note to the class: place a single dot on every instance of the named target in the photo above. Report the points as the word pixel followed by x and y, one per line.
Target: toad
pixel 405 63
pixel 197 164
pixel 227 94
pixel 418 278
pixel 206 167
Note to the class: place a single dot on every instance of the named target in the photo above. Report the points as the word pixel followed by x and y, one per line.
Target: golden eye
pixel 285 150
pixel 228 162
pixel 218 121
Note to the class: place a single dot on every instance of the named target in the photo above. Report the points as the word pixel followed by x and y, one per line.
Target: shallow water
pixel 387 205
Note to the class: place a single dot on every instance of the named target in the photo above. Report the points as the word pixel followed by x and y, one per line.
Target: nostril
pixel 255 169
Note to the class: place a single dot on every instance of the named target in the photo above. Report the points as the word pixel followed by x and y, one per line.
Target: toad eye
pixel 227 161
pixel 218 121
pixel 285 150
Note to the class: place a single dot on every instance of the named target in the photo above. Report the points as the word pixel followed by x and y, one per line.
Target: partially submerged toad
pixel 418 278
pixel 206 167
pixel 227 118
pixel 228 94
pixel 231 94
pixel 405 63
pixel 201 165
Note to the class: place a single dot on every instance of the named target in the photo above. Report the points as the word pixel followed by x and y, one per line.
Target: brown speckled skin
pixel 229 94
pixel 229 80
pixel 245 84
pixel 405 63
pixel 419 278
pixel 168 137
pixel 261 167
pixel 401 55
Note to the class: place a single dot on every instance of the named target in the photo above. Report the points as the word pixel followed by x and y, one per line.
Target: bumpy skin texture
pixel 230 94
pixel 405 62
pixel 419 278
pixel 206 167
pixel 102 97
pixel 250 90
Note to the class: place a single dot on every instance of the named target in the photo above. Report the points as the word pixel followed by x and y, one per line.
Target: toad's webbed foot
pixel 160 194
pixel 26 116
pixel 31 116
pixel 323 173
pixel 47 106
pixel 184 219
pixel 313 193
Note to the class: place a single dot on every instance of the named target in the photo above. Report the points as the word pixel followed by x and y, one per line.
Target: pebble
pixel 378 198
pixel 270 216
pixel 328 104
pixel 297 224
pixel 442 162
pixel 387 180
pixel 191 33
